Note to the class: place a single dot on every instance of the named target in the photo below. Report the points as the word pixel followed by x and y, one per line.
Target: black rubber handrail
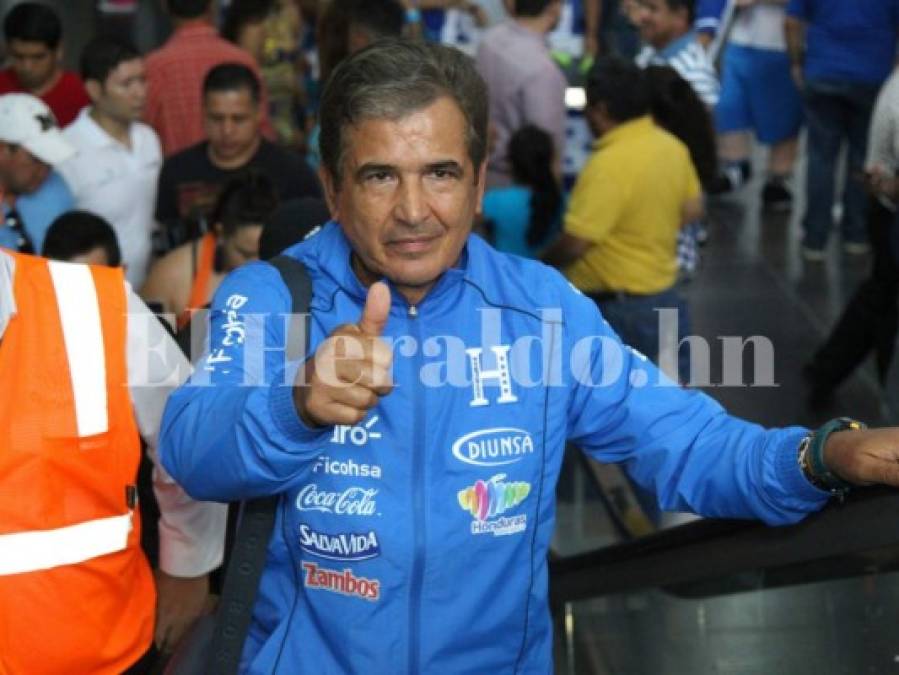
pixel 709 550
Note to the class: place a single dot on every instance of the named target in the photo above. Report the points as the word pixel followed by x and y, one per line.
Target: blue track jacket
pixel 416 542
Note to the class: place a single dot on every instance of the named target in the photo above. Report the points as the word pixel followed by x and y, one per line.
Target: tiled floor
pixel 752 282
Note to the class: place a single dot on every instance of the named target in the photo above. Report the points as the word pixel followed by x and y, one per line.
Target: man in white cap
pixel 32 194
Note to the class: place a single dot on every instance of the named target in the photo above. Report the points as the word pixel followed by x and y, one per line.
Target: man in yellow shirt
pixel 620 231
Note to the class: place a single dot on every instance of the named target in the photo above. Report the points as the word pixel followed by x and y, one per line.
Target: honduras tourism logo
pixel 488 500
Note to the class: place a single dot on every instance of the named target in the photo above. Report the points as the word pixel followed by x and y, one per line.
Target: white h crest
pixel 502 373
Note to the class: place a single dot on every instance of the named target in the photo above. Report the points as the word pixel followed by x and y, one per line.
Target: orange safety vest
pixel 76 591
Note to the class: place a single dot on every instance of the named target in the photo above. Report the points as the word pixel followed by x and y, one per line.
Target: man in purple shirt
pixel 526 86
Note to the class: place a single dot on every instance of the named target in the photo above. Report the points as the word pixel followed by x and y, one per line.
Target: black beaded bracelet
pixel 811 456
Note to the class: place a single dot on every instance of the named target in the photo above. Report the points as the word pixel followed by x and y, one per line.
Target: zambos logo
pixel 343 582
pixel 494 447
pixel 487 499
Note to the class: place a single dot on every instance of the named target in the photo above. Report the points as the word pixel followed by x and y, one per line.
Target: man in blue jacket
pixel 416 451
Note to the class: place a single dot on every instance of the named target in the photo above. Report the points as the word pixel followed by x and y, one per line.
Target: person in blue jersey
pixel 415 453
pixel 458 23
pixel 524 216
pixel 758 95
pixel 709 14
pixel 840 55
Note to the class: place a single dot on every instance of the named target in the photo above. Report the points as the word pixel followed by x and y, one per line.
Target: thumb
pixel 376 311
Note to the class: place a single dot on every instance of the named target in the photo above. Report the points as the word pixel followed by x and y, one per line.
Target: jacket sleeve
pixel 677 443
pixel 232 431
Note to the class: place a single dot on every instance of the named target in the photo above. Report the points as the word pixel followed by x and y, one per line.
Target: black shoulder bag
pixel 215 643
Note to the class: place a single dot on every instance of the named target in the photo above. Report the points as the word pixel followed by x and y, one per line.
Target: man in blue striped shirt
pixel 667 28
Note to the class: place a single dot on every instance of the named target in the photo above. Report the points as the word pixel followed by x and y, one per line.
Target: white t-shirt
pixel 883 137
pixel 760 26
pixel 117 183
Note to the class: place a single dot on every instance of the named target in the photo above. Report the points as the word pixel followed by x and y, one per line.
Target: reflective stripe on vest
pixel 32 551
pixel 79 313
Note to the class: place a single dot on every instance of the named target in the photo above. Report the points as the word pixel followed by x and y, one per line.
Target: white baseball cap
pixel 27 121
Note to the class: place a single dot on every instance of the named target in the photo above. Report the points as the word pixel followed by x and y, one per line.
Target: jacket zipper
pixel 419 516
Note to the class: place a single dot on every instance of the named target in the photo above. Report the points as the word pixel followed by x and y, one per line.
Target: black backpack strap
pixel 297 281
pixel 257 515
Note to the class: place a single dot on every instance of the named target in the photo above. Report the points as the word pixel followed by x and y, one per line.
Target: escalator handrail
pixel 711 549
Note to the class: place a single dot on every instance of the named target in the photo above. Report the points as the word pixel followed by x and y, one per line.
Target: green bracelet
pixel 820 475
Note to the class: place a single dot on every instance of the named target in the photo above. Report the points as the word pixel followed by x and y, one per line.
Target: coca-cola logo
pixel 354 501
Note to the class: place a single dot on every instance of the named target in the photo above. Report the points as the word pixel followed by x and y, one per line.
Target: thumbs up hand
pixel 376 310
pixel 350 370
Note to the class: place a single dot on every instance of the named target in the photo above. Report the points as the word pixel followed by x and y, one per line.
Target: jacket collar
pixel 334 257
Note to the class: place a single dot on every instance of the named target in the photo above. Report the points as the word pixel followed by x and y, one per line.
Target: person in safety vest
pixel 416 452
pixel 85 370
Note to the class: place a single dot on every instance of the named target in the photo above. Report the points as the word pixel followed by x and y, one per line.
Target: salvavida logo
pixel 354 501
pixel 343 582
pixel 344 547
pixel 488 500
pixel 494 447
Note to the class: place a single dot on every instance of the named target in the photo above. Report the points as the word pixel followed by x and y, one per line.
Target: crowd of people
pixel 145 188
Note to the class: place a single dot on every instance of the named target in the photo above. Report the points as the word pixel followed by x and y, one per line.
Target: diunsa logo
pixel 494 447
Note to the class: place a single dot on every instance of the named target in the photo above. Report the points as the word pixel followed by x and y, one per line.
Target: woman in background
pixel 677 108
pixel 186 278
pixel 524 217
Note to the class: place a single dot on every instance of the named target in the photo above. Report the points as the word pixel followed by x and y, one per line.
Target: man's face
pixel 20 172
pixel 124 94
pixel 408 195
pixel 232 122
pixel 659 24
pixel 34 63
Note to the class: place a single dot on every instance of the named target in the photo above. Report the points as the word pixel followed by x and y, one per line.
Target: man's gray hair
pixel 393 78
